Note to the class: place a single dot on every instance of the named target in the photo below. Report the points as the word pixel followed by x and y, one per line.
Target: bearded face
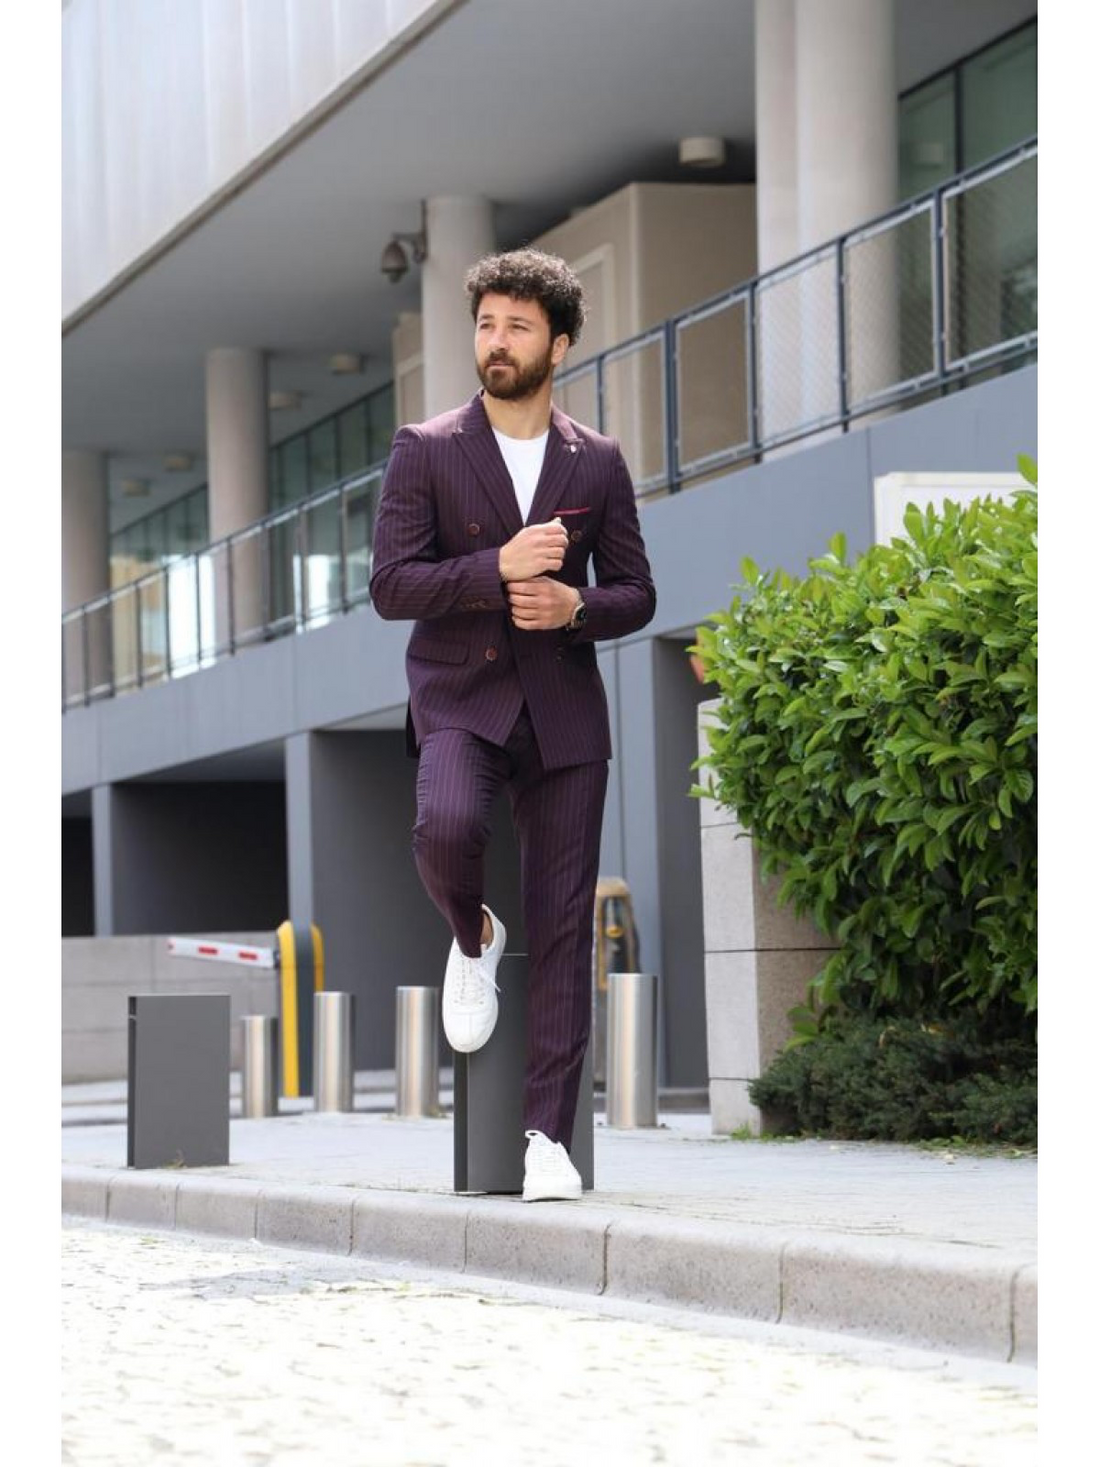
pixel 513 349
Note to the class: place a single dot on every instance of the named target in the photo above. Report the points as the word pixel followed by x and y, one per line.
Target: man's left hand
pixel 541 604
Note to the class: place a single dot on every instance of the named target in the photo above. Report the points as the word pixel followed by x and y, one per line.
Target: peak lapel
pixel 474 436
pixel 563 449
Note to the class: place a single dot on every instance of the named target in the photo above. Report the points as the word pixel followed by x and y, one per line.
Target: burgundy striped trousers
pixel 558 815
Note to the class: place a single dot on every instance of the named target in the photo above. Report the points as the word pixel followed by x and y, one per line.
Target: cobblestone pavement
pixel 179 1349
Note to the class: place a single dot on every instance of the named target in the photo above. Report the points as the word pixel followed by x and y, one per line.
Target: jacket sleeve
pixel 623 598
pixel 408 580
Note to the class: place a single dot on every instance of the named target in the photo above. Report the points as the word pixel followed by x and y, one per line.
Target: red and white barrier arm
pixel 223 952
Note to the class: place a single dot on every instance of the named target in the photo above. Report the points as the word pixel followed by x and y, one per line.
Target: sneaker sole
pixel 558 1194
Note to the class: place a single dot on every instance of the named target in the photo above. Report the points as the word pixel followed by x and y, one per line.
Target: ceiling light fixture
pixel 178 463
pixel 345 363
pixel 281 402
pixel 702 152
pixel 135 488
pixel 395 262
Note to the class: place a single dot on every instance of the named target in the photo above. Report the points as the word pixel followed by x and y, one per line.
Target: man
pixel 489 517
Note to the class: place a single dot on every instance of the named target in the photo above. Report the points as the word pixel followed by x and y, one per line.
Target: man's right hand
pixel 534 551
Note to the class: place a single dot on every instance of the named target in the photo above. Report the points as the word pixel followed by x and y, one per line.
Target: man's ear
pixel 558 349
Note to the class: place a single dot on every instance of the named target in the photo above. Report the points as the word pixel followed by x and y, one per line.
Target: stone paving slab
pixel 886 1242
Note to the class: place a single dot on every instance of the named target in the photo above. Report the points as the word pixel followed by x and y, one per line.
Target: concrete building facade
pixel 844 291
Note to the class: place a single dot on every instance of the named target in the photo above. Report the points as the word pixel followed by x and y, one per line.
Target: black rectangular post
pixel 488 1089
pixel 177 1083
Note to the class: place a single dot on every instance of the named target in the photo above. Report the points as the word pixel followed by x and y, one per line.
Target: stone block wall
pixel 759 959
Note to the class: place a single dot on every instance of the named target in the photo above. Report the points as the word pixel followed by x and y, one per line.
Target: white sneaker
pixel 549 1175
pixel 470 992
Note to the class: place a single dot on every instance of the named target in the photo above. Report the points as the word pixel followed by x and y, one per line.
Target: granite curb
pixel 960 1298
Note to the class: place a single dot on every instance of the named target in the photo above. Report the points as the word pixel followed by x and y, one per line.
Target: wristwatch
pixel 579 617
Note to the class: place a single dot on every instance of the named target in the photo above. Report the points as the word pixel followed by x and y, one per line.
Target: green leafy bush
pixel 904 1080
pixel 877 734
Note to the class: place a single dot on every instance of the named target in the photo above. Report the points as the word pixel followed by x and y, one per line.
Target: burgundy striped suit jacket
pixel 447 506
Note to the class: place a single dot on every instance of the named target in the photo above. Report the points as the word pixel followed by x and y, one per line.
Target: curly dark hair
pixel 532 275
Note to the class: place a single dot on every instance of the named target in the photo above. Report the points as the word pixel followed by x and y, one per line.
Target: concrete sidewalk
pixel 885 1242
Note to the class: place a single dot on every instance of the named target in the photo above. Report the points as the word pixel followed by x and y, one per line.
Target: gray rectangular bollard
pixel 488 1088
pixel 177 1081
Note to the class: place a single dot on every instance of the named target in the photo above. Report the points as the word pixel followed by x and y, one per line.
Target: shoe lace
pixel 550 1155
pixel 471 981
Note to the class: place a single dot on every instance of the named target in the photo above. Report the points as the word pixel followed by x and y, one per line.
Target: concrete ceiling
pixel 541 107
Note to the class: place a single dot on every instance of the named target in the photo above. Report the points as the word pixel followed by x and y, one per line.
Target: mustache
pixel 499 359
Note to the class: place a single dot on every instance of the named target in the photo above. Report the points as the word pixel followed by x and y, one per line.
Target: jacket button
pixel 576 536
pixel 490 654
pixel 474 529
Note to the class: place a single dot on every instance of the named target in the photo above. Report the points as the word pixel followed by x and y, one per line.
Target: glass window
pixel 197 521
pixel 926 137
pixel 381 405
pixel 352 430
pixel 322 455
pixel 1000 97
pixel 177 538
pixel 293 471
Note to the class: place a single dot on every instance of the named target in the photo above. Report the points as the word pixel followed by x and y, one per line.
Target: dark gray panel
pixel 638 773
pixel 489 1142
pixel 103 863
pixel 177 1091
pixel 77 880
pixel 682 988
pixel 196 858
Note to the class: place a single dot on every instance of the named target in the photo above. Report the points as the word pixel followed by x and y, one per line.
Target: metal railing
pixel 918 301
pixel 295 569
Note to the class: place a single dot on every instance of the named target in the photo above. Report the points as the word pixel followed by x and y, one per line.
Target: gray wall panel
pixel 780 513
pixel 80 735
pixel 354 664
pixel 245 700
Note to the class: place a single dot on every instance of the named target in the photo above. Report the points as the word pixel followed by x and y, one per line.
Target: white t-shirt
pixel 523 457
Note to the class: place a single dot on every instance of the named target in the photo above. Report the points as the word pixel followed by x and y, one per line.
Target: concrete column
pixel 847 110
pixel 236 455
pixel 779 340
pixel 460 231
pixel 84 527
pixel 86 570
pixel 776 134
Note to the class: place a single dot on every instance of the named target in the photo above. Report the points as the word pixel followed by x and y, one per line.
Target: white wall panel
pixel 165 101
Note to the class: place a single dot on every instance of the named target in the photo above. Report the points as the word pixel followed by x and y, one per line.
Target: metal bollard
pixel 631 1050
pixel 333 1051
pixel 261 1066
pixel 417 1062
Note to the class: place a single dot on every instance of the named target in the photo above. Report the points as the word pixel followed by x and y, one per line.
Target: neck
pixel 527 418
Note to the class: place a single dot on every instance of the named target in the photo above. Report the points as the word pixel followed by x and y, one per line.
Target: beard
pixel 516 382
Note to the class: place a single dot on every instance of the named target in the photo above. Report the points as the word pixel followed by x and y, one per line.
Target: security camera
pixel 395 262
